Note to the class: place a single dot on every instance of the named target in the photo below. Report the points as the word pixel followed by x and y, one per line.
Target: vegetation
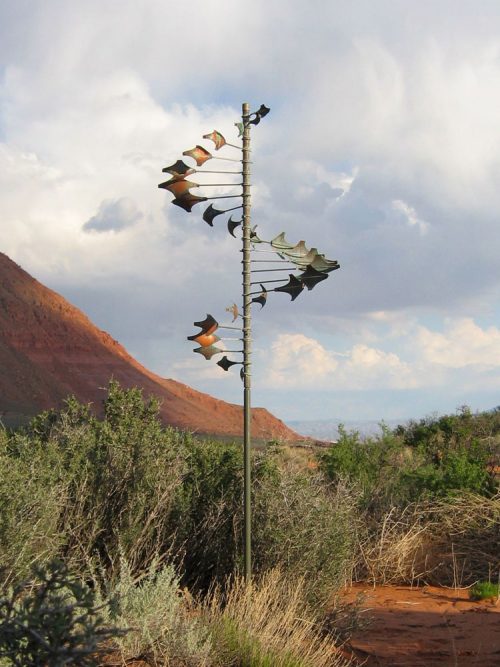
pixel 51 620
pixel 484 590
pixel 147 521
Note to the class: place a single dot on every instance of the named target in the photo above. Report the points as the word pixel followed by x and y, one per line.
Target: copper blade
pixel 178 186
pixel 233 309
pixel 217 138
pixel 187 201
pixel 207 326
pixel 179 168
pixel 199 154
pixel 204 339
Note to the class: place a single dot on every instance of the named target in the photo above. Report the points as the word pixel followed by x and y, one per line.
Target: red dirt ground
pixel 425 627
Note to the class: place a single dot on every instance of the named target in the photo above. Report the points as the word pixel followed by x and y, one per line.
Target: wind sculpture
pixel 306 267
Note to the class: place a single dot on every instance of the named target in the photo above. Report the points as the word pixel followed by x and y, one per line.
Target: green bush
pixel 52 620
pixel 484 590
pixel 159 620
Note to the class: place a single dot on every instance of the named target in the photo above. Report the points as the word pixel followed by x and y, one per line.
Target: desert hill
pixel 49 349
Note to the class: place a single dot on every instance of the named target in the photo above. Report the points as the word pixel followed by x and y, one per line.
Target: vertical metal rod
pixel 247 300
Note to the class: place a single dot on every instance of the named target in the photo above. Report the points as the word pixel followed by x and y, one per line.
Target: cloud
pixel 410 215
pixel 114 215
pixel 298 361
pixel 381 150
pixel 462 344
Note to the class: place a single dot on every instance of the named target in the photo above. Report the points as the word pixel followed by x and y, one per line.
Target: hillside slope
pixel 49 349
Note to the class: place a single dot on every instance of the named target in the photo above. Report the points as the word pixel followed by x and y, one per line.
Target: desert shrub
pixel 52 620
pixel 31 502
pixel 207 510
pixel 268 624
pixel 428 459
pixel 306 527
pixel 88 487
pixel 457 471
pixel 162 625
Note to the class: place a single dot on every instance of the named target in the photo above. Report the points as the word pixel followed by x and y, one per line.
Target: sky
pixel 382 150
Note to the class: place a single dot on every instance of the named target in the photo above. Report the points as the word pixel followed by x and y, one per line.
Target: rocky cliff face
pixel 49 349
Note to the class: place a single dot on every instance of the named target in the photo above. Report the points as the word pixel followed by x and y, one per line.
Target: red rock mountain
pixel 49 349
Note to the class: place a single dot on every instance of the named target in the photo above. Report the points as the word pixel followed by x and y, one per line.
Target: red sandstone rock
pixel 49 349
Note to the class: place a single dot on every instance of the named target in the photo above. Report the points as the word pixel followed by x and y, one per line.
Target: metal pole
pixel 246 346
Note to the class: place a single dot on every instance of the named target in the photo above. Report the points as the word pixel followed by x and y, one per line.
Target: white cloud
pixel 462 344
pixel 411 215
pixel 294 360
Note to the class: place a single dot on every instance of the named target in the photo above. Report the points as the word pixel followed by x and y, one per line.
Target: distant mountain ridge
pixel 49 349
pixel 328 429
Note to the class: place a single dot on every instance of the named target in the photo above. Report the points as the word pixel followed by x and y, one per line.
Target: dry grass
pixel 447 542
pixel 268 624
pixel 398 551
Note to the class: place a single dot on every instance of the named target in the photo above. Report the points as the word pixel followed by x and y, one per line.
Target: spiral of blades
pixel 301 267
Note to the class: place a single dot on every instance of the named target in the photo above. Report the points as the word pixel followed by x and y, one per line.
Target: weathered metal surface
pixel 210 213
pixel 303 260
pixel 217 138
pixel 293 287
pixel 208 352
pixel 226 363
pixel 262 298
pixel 199 154
pixel 204 339
pixel 178 186
pixel 188 200
pixel 233 309
pixel 311 277
pixel 320 263
pixel 232 224
pixel 280 242
pixel 208 325
pixel 179 168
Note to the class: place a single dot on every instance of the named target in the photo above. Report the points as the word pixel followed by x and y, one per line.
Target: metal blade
pixel 298 250
pixel 232 224
pixel 178 186
pixel 294 287
pixel 208 352
pixel 187 201
pixel 320 263
pixel 217 138
pixel 204 339
pixel 311 277
pixel 198 153
pixel 262 298
pixel 211 213
pixel 281 243
pixel 234 311
pixel 208 325
pixel 179 168
pixel 226 364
